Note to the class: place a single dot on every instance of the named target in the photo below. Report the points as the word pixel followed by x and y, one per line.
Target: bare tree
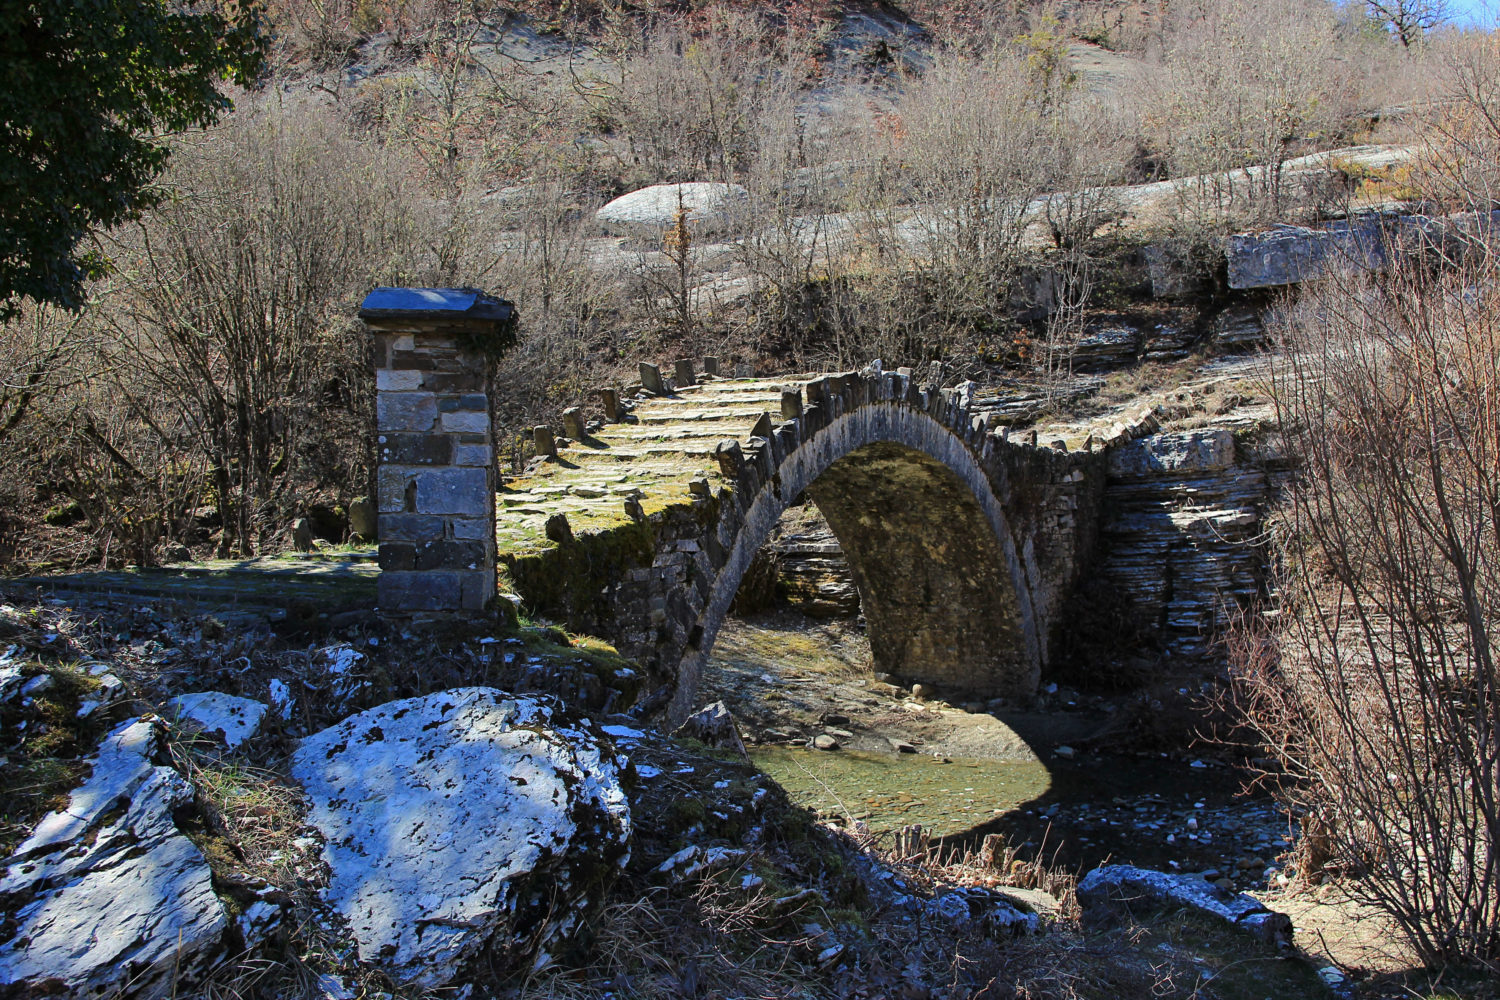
pixel 236 324
pixel 1410 20
pixel 36 351
pixel 1244 86
pixel 1377 685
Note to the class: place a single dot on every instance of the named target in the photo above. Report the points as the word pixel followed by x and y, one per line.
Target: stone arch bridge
pixel 962 539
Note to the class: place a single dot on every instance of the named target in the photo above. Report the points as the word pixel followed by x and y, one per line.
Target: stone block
pixel 454 382
pixel 467 422
pixel 477 589
pixel 410 527
pixel 444 554
pixel 397 557
pixel 397 380
pixel 473 454
pixel 651 379
pixel 412 360
pixel 362 519
pixel 454 491
pixel 405 411
pixel 470 401
pixel 791 404
pixel 403 591
pixel 395 489
pixel 404 448
pixel 472 529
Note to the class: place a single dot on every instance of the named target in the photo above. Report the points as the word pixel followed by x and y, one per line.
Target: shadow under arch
pixel 929 547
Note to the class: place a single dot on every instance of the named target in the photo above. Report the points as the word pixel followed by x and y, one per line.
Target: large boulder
pixel 647 213
pixel 1130 889
pixel 108 896
pixel 461 822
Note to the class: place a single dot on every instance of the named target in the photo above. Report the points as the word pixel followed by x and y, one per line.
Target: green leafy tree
pixel 87 90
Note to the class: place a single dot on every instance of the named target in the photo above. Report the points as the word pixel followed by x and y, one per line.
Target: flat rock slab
pixel 647 213
pixel 1123 887
pixel 231 719
pixel 113 896
pixel 1176 453
pixel 458 822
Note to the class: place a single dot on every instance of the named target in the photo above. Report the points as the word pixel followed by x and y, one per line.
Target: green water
pixel 889 791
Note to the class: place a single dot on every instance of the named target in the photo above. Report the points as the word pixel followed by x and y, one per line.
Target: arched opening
pixel 916 525
pixel 943 590
pixel 930 570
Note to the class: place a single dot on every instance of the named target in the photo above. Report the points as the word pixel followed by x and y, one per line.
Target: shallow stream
pixel 887 791
pixel 977 773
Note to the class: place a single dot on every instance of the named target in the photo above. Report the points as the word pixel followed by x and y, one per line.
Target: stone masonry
pixel 435 478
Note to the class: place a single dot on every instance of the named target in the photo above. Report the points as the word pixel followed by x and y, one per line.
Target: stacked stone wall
pixel 436 486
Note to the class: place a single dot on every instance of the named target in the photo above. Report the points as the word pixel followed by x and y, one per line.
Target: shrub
pixel 236 342
pixel 1377 685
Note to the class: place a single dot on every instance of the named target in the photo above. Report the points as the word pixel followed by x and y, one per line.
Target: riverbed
pixel 964 771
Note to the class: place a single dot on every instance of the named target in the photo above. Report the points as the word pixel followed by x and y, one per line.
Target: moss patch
pixel 41 746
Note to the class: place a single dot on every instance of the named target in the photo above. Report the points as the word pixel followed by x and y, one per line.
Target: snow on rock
pixel 461 821
pixel 233 720
pixel 108 893
pixel 647 213
pixel 1203 451
pixel 1124 886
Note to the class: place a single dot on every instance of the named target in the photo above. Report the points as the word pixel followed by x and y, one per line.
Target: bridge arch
pixel 945 591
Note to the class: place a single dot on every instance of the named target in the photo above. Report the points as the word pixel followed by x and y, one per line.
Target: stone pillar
pixel 434 349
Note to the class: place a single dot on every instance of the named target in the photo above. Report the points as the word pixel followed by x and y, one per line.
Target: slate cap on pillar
pixel 435 303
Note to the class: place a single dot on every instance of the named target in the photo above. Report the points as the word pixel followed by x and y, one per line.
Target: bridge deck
pixel 665 444
pixel 669 441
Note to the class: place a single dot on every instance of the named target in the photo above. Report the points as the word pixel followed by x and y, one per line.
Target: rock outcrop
pixel 461 822
pixel 108 894
pixel 1180 511
pixel 230 719
pixel 646 214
